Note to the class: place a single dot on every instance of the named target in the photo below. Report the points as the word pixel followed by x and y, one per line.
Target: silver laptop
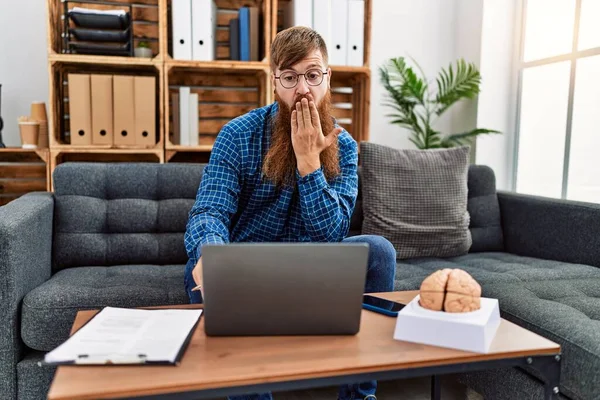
pixel 266 289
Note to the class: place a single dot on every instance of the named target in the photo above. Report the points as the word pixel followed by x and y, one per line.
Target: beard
pixel 279 165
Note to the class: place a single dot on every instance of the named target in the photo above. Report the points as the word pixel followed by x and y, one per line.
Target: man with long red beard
pixel 286 173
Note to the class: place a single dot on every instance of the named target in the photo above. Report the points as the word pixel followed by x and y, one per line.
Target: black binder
pixel 234 39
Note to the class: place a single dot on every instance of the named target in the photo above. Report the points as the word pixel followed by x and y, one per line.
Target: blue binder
pixel 244 17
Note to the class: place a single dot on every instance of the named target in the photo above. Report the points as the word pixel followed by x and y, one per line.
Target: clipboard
pixel 128 332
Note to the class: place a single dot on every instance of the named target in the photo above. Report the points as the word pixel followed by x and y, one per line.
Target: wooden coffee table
pixel 221 366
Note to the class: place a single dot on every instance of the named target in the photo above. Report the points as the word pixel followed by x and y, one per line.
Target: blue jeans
pixel 381 270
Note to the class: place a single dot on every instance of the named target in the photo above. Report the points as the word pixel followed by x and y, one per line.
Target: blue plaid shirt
pixel 235 204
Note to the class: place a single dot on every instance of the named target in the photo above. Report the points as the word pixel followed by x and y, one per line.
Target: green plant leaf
pixel 413 107
pixel 463 138
pixel 395 95
pixel 411 85
pixel 426 83
pixel 420 145
pixel 456 85
pixel 432 139
pixel 399 96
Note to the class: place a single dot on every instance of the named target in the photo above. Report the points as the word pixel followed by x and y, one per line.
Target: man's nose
pixel 302 87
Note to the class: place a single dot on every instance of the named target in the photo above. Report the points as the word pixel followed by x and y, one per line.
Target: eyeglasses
pixel 289 79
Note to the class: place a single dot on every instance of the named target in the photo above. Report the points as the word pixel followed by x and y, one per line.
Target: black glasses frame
pixel 304 75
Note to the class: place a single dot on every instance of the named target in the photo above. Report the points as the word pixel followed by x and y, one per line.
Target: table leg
pixel 436 388
pixel 550 370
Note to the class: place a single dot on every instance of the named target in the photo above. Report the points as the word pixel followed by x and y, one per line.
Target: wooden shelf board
pixel 346 69
pixel 179 148
pixel 101 150
pixel 219 65
pixel 20 150
pixel 41 153
pixel 110 60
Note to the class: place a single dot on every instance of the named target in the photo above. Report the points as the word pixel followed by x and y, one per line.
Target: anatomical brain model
pixel 450 290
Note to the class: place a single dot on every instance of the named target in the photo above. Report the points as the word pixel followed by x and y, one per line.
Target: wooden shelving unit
pixel 60 106
pixel 226 88
pixel 223 94
pixel 102 60
pixel 147 23
pixel 226 10
pixel 22 171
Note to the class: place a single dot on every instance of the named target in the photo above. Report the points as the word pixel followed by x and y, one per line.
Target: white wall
pixel 436 33
pixel 23 62
pixel 497 101
pixel 422 29
pixel 467 45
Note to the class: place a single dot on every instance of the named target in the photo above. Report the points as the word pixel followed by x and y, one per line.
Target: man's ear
pixel 329 78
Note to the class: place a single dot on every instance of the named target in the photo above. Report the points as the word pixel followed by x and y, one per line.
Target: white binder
pixel 356 32
pixel 193 124
pixel 181 11
pixel 301 13
pixel 204 26
pixel 184 115
pixel 339 35
pixel 322 18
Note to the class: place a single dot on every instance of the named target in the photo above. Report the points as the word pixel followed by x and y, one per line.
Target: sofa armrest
pixel 25 263
pixel 561 230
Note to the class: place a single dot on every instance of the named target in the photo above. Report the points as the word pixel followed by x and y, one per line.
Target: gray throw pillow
pixel 417 199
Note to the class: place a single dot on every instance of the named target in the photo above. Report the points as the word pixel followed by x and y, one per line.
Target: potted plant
pixel 416 108
pixel 143 50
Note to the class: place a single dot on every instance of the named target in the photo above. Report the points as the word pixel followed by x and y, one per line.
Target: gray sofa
pixel 112 234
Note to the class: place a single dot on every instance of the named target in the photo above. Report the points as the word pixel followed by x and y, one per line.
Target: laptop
pixel 271 289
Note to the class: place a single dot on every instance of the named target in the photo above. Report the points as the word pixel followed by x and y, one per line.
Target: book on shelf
pixel 322 20
pixel 299 13
pixel 194 25
pixel 193 115
pixel 345 40
pixel 249 33
pixel 204 25
pixel 184 111
pixel 356 37
pixel 234 39
pixel 184 116
pixel 181 27
pixel 175 133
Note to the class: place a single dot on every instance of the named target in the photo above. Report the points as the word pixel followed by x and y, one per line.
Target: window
pixel 558 129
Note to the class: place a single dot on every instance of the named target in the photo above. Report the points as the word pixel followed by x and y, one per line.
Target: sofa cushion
pixel 417 199
pixel 484 210
pixel 560 301
pixel 492 268
pixel 49 310
pixel 34 380
pixel 482 205
pixel 122 213
pixel 491 384
pixel 356 219
pixel 566 311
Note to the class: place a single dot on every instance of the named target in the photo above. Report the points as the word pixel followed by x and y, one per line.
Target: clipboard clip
pixel 83 359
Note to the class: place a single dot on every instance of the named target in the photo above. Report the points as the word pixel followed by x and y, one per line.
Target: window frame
pixel 522 65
